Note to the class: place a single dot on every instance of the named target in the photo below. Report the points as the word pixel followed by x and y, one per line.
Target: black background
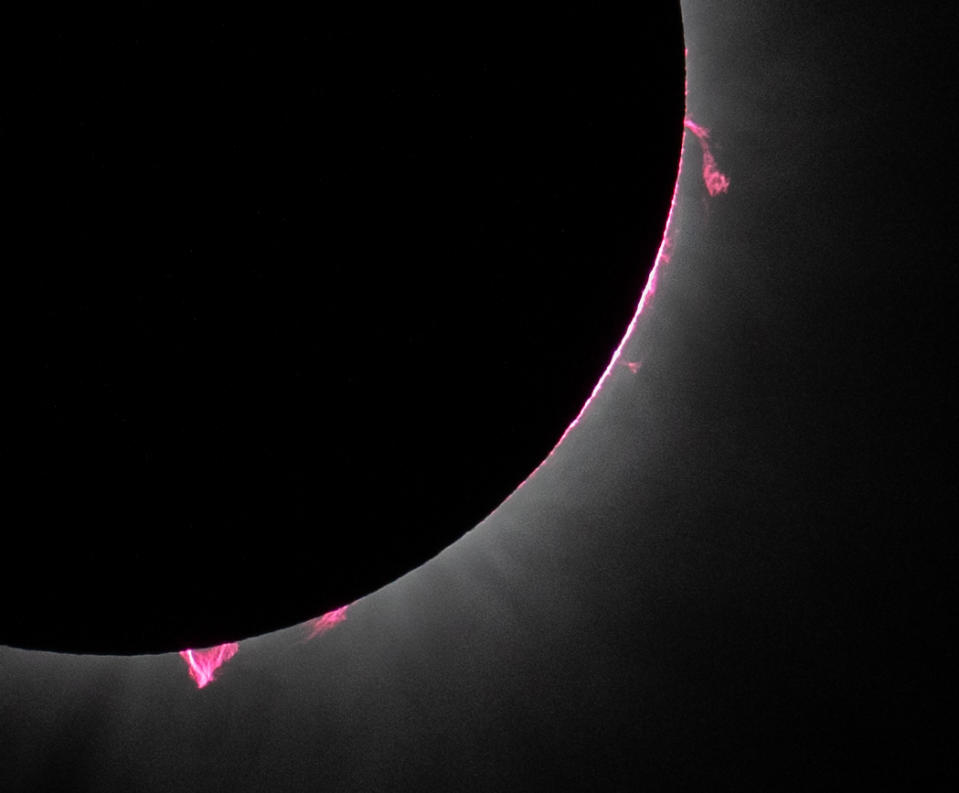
pixel 299 297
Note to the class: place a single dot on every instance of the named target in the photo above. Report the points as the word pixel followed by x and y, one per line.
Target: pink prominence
pixel 716 181
pixel 328 621
pixel 203 664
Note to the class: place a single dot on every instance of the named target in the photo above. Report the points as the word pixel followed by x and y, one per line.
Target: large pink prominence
pixel 203 664
pixel 328 621
pixel 716 181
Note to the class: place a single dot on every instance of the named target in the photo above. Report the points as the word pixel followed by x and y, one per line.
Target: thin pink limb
pixel 202 664
pixel 663 257
pixel 327 622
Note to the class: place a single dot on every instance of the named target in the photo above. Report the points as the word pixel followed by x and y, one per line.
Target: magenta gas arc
pixel 327 622
pixel 203 665
pixel 715 180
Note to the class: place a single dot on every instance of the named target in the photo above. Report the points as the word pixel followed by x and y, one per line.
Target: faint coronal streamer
pixel 202 664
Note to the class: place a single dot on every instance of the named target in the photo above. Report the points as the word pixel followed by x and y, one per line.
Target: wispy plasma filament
pixel 716 181
pixel 328 621
pixel 202 664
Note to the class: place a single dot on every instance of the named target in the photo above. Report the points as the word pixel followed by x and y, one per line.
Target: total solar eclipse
pixel 413 400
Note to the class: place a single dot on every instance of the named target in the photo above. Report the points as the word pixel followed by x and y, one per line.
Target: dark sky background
pixel 298 298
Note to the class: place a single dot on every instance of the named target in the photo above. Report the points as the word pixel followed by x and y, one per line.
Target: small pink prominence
pixel 716 181
pixel 327 622
pixel 203 664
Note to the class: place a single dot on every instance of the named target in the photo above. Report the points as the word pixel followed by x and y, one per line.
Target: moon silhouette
pixel 733 569
pixel 322 290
